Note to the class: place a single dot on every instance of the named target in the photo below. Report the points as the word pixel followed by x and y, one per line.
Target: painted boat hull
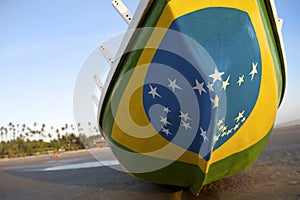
pixel 194 98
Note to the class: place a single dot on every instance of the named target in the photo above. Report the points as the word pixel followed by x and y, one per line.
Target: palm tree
pixel 51 131
pixel 34 125
pixel 14 133
pixel 10 125
pixel 2 132
pixel 42 131
pixel 17 130
pixel 89 130
pixel 23 127
pixel 27 134
pixel 58 135
pixel 31 133
pixel 5 132
pixel 50 136
pixel 43 127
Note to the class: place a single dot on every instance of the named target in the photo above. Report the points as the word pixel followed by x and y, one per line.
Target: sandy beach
pixel 275 175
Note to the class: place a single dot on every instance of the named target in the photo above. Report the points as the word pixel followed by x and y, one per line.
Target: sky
pixel 44 43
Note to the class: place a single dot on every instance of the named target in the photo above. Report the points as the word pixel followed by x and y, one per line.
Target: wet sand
pixel 275 175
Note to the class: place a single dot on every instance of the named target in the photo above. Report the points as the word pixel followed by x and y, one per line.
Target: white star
pixel 164 120
pixel 203 134
pixel 254 70
pixel 224 128
pixel 223 134
pixel 215 101
pixel 210 87
pixel 166 131
pixel 199 87
pixel 240 116
pixel 226 83
pixel 185 125
pixel 184 116
pixel 236 126
pixel 173 85
pixel 244 119
pixel 215 139
pixel 241 80
pixel 221 127
pixel 153 92
pixel 220 122
pixel 229 132
pixel 216 75
pixel 166 109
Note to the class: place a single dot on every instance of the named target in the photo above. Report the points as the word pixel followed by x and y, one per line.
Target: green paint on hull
pixel 236 162
pixel 193 177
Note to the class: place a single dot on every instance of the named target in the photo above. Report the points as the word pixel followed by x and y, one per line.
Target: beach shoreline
pixel 275 175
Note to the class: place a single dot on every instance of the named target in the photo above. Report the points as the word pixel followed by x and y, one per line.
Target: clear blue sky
pixel 43 44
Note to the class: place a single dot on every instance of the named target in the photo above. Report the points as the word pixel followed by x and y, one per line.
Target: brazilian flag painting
pixel 194 97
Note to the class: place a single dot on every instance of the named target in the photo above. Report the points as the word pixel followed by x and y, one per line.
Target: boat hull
pixel 194 98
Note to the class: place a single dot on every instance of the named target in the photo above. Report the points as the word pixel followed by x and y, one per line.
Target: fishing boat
pixel 193 95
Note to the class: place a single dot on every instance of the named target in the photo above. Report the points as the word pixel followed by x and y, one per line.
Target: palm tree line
pixel 22 140
pixel 40 131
